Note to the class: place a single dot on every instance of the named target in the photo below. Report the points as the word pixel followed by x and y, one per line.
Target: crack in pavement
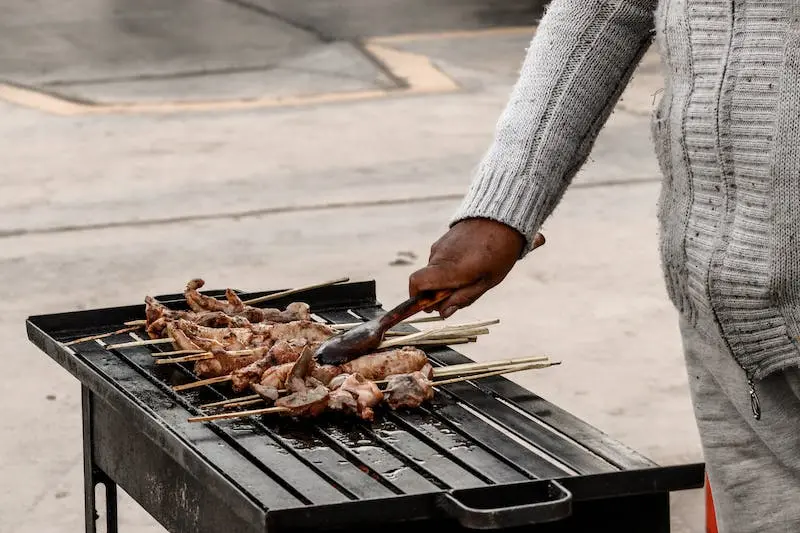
pixel 251 213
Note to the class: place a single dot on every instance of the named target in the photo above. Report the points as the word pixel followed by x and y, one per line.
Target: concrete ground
pixel 259 145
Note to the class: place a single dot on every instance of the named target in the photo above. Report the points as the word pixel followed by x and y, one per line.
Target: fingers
pixel 436 277
pixel 462 298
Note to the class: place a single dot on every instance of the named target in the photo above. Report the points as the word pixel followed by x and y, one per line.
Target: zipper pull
pixel 755 405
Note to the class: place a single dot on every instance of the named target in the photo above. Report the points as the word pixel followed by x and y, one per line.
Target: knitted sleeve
pixel 575 70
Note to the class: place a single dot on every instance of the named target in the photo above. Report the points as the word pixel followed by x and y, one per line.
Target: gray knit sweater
pixel 727 137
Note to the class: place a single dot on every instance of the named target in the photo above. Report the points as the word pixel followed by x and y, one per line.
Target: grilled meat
pixel 294 311
pixel 280 353
pixel 309 397
pixel 234 306
pixel 180 340
pixel 200 302
pixel 224 363
pixel 378 365
pixel 273 380
pixel 408 390
pixel 355 395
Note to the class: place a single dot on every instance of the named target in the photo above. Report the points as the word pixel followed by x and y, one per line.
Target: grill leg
pixel 93 476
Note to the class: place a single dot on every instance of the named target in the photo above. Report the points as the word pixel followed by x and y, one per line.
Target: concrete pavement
pixel 101 209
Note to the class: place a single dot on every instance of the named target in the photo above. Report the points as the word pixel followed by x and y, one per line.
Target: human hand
pixel 471 258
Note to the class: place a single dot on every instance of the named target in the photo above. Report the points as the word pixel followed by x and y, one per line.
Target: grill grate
pixel 474 434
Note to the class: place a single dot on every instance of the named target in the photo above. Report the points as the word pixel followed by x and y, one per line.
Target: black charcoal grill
pixel 486 454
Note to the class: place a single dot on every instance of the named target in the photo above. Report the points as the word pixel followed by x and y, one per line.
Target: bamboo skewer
pixel 101 336
pixel 144 342
pixel 439 371
pixel 177 352
pixel 271 410
pixel 208 381
pixel 419 320
pixel 289 292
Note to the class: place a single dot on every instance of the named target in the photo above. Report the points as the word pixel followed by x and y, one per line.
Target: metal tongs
pixel 365 338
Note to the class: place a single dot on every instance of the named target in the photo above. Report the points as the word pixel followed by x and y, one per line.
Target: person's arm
pixel 574 72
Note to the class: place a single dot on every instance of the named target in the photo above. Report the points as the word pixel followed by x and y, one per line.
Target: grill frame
pixel 135 430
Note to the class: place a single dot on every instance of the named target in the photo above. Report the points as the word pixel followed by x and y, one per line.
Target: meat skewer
pixel 416 393
pixel 222 362
pixel 441 372
pixel 235 307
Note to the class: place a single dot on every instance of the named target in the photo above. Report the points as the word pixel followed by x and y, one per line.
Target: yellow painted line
pixel 416 70
pixel 458 34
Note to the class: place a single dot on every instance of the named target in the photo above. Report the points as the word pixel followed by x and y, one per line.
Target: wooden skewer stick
pixel 145 342
pixel 208 381
pixel 202 356
pixel 439 371
pixel 177 352
pixel 419 320
pixel 271 410
pixel 136 323
pixel 507 370
pixel 490 364
pixel 101 336
pixel 289 292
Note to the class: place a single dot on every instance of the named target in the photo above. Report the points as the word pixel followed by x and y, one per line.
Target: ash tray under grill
pixel 512 505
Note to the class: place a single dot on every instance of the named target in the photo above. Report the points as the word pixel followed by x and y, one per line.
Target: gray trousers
pixel 753 465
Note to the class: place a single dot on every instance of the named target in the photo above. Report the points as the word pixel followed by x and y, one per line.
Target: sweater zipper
pixel 755 405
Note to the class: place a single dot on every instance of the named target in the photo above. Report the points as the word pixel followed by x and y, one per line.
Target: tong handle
pixel 422 301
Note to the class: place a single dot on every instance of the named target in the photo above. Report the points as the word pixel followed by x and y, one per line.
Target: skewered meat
pixel 259 334
pixel 235 307
pixel 355 395
pixel 223 363
pixel 408 390
pixel 294 311
pixel 309 397
pixel 373 367
pixel 200 302
pixel 180 341
pixel 273 379
pixel 230 338
pixel 378 365
pixel 301 329
pixel 280 353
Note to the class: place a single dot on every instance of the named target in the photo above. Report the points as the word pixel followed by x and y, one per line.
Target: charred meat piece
pixel 301 329
pixel 157 315
pixel 408 390
pixel 294 312
pixel 200 302
pixel 223 363
pixel 228 337
pixel 324 373
pixel 379 365
pixel 355 395
pixel 308 399
pixel 280 353
pixel 234 306
pixel 180 341
pixel 273 380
